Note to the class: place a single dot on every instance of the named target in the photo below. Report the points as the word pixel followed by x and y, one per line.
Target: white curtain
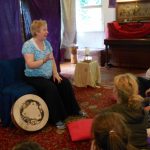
pixel 68 11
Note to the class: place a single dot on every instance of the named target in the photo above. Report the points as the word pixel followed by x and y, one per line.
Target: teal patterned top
pixel 45 70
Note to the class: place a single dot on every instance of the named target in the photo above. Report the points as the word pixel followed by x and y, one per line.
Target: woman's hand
pixel 48 57
pixel 55 73
pixel 57 77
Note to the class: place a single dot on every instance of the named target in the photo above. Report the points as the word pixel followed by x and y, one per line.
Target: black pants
pixel 144 84
pixel 59 97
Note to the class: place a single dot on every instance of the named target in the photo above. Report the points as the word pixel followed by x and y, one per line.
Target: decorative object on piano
pixel 128 30
pixel 87 57
pixel 30 113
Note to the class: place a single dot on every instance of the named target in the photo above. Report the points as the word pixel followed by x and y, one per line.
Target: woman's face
pixel 42 33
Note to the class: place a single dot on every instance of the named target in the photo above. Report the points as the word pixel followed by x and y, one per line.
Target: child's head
pixel 110 132
pixel 126 89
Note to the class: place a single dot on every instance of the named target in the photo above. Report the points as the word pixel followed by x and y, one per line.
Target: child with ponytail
pixel 110 132
pixel 129 105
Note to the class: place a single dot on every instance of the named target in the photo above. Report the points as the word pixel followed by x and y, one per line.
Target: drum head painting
pixel 30 113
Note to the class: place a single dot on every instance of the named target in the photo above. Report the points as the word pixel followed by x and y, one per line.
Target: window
pixel 89 16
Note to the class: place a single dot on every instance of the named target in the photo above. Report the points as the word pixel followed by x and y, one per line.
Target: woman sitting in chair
pixel 41 72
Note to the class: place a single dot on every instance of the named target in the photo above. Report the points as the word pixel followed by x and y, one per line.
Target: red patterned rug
pixel 90 99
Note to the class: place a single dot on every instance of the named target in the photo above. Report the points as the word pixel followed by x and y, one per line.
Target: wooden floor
pixel 107 74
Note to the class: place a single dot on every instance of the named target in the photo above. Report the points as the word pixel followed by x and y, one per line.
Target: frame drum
pixel 30 113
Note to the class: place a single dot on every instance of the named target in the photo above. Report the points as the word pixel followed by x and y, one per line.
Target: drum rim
pixel 13 117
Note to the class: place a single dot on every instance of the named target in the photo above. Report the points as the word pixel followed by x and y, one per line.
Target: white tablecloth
pixel 87 74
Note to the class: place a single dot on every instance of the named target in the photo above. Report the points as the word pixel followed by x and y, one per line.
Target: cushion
pixel 18 89
pixel 80 129
pixel 11 71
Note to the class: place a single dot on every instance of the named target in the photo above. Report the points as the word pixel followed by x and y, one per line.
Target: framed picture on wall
pixel 135 11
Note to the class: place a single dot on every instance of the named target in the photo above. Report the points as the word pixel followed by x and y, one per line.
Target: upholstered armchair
pixel 12 86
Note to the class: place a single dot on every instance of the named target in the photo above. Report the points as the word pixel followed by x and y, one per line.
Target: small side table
pixel 87 74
